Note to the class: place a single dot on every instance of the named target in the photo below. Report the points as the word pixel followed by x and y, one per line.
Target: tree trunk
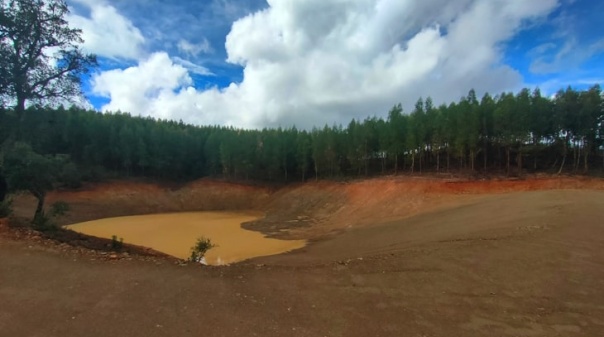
pixel 484 143
pixel 576 156
pixel 412 162
pixel 563 157
pixel 562 165
pixel 438 161
pixel 396 164
pixel 40 207
pixel 366 160
pixel 585 161
pixel 507 165
pixel 484 156
pixel 519 160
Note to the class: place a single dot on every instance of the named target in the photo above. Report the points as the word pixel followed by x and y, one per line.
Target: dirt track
pixel 456 259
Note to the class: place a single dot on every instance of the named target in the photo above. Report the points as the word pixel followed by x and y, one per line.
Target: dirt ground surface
pixel 387 257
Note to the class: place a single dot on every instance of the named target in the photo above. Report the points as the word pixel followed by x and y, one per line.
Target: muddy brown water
pixel 176 233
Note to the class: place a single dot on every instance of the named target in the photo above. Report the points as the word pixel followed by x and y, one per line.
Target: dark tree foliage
pixel 29 171
pixel 508 133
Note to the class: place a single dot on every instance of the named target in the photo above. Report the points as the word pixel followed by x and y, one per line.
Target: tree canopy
pixel 507 133
pixel 40 58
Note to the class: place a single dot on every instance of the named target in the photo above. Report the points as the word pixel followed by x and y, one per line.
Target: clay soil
pixel 387 257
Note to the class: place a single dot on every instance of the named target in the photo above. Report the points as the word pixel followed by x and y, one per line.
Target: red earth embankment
pixel 309 210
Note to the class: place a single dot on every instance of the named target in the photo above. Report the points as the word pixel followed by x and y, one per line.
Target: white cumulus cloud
pixel 106 32
pixel 141 88
pixel 311 62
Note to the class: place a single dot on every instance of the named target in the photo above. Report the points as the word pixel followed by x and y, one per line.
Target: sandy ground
pixel 441 259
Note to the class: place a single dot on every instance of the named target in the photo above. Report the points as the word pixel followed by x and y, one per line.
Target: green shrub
pixel 44 223
pixel 201 247
pixel 59 208
pixel 117 244
pixel 47 221
pixel 6 208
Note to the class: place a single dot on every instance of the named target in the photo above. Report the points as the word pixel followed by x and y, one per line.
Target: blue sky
pixel 572 45
pixel 253 63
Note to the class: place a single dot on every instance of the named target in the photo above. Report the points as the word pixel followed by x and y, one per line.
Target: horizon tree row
pixel 508 133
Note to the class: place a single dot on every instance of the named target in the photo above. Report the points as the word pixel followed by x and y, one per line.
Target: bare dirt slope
pixel 490 259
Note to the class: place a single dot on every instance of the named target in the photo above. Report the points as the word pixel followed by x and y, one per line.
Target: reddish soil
pixel 388 257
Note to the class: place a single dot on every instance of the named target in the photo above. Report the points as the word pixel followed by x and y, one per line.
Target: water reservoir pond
pixel 176 233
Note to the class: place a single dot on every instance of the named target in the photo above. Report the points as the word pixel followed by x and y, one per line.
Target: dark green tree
pixel 40 60
pixel 397 130
pixel 29 171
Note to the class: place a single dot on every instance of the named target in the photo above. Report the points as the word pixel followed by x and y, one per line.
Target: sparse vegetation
pixel 6 207
pixel 46 221
pixel 43 222
pixel 201 247
pixel 117 244
pixel 59 208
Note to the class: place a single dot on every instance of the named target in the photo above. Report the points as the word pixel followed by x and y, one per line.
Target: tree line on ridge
pixel 505 134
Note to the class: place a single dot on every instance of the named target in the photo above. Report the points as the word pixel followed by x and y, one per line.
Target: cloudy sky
pixel 257 63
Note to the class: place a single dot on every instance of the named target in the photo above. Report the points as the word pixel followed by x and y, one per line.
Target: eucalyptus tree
pixel 397 130
pixel 566 106
pixel 589 116
pixel 540 122
pixel 487 108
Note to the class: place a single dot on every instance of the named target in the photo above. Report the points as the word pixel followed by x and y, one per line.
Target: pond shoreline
pixel 175 233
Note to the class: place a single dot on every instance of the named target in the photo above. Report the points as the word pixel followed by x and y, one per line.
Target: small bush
pixel 47 221
pixel 44 223
pixel 59 208
pixel 6 208
pixel 201 247
pixel 117 244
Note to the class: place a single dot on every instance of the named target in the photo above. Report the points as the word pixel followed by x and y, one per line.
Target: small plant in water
pixel 201 247
pixel 116 244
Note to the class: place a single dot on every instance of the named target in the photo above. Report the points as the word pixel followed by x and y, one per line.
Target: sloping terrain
pixel 301 211
pixel 388 257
